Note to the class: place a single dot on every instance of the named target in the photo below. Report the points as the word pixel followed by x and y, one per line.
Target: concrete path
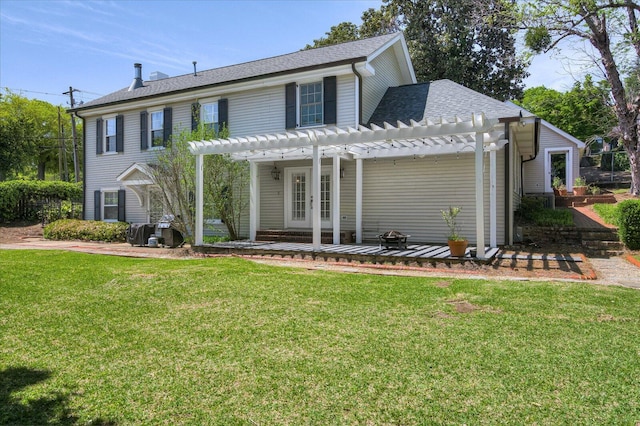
pixel 616 271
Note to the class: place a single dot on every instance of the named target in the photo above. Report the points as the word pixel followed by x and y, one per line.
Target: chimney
pixel 137 80
pixel 195 73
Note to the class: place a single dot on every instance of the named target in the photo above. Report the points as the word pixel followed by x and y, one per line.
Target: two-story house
pixel 340 138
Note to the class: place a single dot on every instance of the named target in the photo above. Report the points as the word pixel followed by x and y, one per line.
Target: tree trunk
pixel 41 167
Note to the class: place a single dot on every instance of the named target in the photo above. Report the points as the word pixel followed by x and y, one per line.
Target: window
pixel 110 135
pixel 157 128
pixel 311 104
pixel 110 206
pixel 210 115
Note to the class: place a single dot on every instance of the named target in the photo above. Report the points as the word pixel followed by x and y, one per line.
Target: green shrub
pixel 57 210
pixel 86 230
pixel 529 206
pixel 549 217
pixel 629 223
pixel 23 199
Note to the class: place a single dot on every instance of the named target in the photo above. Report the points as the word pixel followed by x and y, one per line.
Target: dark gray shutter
pixel 195 115
pixel 330 97
pixel 99 136
pixel 122 195
pixel 166 125
pixel 290 105
pixel 223 113
pixel 144 134
pixel 120 133
pixel 97 205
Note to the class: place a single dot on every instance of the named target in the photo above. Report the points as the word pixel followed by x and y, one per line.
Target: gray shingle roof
pixel 440 98
pixel 293 62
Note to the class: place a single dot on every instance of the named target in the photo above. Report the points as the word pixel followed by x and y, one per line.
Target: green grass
pixel 109 340
pixel 608 212
pixel 550 217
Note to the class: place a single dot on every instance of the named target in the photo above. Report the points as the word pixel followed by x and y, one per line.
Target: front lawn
pixel 109 340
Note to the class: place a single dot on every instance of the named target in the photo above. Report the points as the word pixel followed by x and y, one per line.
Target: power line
pixel 50 94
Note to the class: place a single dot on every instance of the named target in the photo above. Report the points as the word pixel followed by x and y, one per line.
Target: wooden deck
pixel 413 254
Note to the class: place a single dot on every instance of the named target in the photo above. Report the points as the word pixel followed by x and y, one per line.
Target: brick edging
pixel 632 260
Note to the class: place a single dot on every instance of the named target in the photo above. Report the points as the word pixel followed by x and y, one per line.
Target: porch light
pixel 341 172
pixel 275 173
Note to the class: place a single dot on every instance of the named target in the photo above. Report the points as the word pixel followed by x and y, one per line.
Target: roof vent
pixel 137 80
pixel 157 75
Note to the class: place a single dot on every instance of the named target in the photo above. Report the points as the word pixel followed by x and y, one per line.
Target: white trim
pixel 568 166
pixel 199 227
pixel 315 194
pixel 359 163
pixel 335 199
pixel 254 200
pixel 102 203
pixel 479 166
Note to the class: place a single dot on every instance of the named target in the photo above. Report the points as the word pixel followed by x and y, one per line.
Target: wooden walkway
pixel 413 254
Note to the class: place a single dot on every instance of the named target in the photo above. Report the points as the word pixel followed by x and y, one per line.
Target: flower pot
pixel 580 190
pixel 458 247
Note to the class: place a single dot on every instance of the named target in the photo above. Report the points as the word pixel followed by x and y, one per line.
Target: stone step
pixel 603 245
pixel 600 235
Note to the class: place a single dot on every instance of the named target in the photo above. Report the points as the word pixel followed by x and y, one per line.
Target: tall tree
pixel 471 42
pixel 584 111
pixel 611 27
pixel 30 136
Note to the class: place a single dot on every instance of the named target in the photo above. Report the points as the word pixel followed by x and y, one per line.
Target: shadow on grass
pixel 52 409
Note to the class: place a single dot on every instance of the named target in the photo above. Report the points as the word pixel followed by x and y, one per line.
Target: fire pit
pixel 393 238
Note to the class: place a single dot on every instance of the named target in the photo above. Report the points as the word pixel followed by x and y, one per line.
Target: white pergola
pixel 419 138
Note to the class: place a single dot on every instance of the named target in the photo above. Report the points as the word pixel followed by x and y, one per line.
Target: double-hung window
pixel 209 115
pixel 157 128
pixel 110 135
pixel 110 206
pixel 311 104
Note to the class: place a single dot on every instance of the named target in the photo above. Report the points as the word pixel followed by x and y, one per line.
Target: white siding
pixel 534 173
pixel 346 107
pixel 387 75
pixel 408 196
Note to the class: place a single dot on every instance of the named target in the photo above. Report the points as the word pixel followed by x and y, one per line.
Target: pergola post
pixel 359 163
pixel 493 202
pixel 481 254
pixel 253 200
pixel 335 200
pixel 315 199
pixel 199 232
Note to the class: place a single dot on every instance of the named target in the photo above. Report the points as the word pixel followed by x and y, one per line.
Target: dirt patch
pixel 463 307
pixel 16 232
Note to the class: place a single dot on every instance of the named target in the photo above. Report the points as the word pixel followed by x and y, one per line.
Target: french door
pixel 298 201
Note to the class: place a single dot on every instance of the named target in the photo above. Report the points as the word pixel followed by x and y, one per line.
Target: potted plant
pixel 559 188
pixel 594 190
pixel 457 243
pixel 580 186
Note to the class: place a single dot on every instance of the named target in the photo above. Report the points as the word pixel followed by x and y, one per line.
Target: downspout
pixel 536 144
pixel 359 76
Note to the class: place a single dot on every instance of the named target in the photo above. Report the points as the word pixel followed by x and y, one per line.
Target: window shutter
pixel 122 194
pixel 195 115
pixel 167 125
pixel 97 205
pixel 223 113
pixel 144 134
pixel 290 105
pixel 330 97
pixel 120 133
pixel 99 136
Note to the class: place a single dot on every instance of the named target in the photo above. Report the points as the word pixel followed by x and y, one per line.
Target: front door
pixel 558 164
pixel 299 202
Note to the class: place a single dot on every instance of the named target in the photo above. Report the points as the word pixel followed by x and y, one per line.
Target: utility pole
pixel 76 166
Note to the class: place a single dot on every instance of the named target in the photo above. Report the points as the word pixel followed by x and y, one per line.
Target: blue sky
pixel 47 46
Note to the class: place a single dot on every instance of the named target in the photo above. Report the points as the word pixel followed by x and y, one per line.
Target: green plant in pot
pixel 457 243
pixel 559 187
pixel 580 186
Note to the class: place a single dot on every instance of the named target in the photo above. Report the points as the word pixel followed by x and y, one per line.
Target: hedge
pixel 24 199
pixel 86 230
pixel 629 223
